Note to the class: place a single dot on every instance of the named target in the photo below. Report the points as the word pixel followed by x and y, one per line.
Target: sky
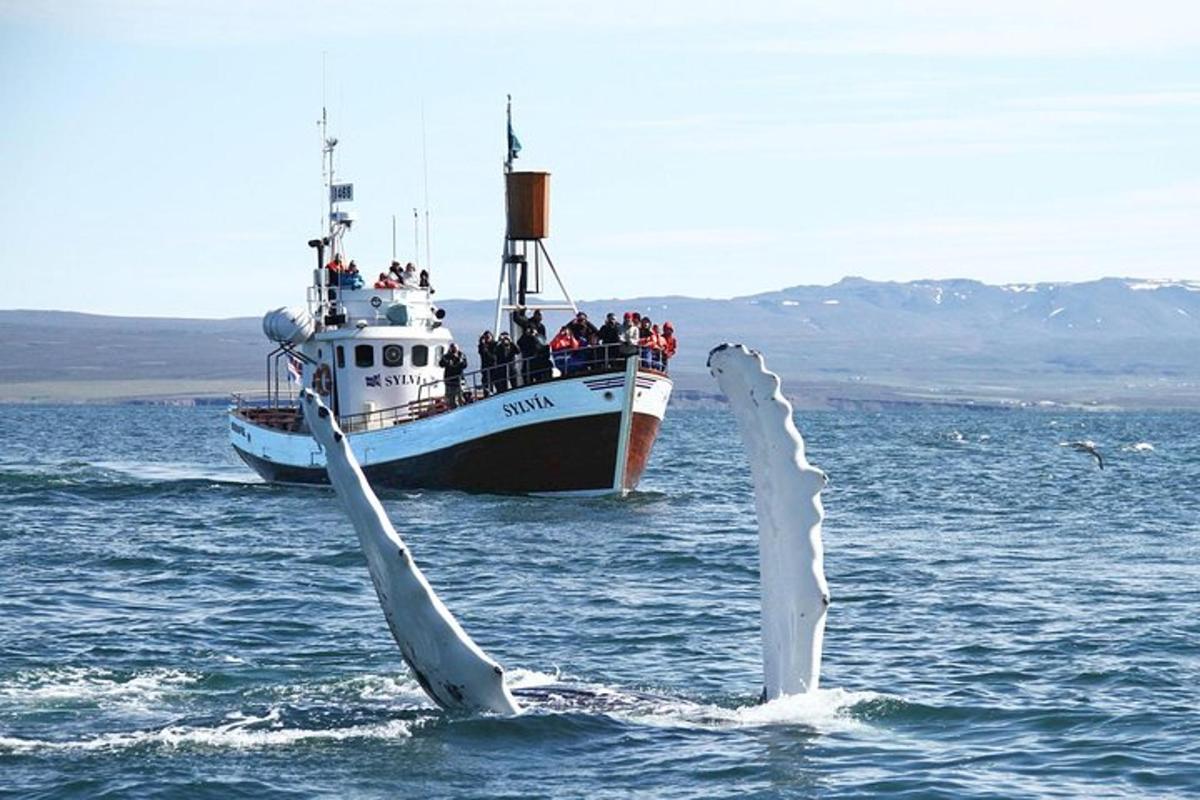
pixel 163 158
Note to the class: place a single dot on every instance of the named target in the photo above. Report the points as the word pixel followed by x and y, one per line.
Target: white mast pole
pixel 425 169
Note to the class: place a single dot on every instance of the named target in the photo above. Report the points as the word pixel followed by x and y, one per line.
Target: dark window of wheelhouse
pixel 393 355
pixel 341 357
pixel 420 355
pixel 364 355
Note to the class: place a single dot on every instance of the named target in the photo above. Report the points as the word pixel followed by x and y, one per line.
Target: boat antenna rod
pixel 425 170
pixel 506 272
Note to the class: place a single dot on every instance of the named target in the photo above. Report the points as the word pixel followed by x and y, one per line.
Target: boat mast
pixel 507 274
pixel 517 273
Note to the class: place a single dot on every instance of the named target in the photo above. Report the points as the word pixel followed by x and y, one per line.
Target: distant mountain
pixel 1113 341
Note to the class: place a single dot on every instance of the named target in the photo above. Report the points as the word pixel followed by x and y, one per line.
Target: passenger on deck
pixel 535 354
pixel 608 337
pixel 562 350
pixel 386 282
pixel 453 364
pixel 582 329
pixel 336 264
pixel 487 361
pixel 410 274
pixel 526 322
pixel 350 277
pixel 423 281
pixel 506 354
pixel 668 343
pixel 610 331
pixel 396 272
pixel 648 343
pixel 631 335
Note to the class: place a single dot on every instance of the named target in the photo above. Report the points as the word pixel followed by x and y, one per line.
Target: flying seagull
pixel 1086 446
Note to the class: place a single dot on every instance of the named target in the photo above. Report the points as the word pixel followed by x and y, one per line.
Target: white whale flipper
pixel 787 499
pixel 450 667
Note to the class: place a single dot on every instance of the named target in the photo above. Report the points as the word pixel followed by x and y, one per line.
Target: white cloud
pixel 917 27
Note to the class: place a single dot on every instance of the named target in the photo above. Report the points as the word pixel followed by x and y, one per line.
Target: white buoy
pixel 450 667
pixel 787 500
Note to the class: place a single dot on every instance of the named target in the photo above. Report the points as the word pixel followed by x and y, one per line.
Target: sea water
pixel 1008 620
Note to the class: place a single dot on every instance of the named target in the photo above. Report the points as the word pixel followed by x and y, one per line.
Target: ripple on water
pixel 1007 619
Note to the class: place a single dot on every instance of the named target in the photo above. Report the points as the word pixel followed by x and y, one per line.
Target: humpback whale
pixel 787 501
pixel 457 674
pixel 451 668
pixel 1086 446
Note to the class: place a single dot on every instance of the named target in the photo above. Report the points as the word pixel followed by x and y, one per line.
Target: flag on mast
pixel 514 144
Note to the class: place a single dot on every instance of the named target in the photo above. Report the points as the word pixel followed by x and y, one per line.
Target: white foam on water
pixel 1140 447
pixel 240 732
pixel 531 679
pixel 825 711
pixel 90 686
pixel 398 689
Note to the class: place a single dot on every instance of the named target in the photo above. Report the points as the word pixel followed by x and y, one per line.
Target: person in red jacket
pixel 668 343
pixel 562 349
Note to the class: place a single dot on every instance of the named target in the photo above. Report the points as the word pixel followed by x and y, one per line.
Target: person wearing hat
pixel 397 272
pixel 504 353
pixel 631 335
pixel 582 329
pixel 668 343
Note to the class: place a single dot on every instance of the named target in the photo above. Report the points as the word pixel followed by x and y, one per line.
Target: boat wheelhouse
pixel 581 424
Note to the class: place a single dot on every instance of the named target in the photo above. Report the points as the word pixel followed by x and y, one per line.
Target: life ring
pixel 322 381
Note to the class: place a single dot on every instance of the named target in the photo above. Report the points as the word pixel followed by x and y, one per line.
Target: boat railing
pixel 437 397
pixel 555 365
pixel 265 400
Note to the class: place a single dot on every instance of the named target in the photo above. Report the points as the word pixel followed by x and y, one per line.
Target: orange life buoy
pixel 322 381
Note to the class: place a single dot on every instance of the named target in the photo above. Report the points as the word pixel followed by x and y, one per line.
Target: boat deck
pixel 266 409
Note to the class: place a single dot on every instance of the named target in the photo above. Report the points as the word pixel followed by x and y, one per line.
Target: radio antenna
pixel 416 239
pixel 425 170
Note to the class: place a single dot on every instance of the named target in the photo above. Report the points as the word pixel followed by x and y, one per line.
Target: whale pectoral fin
pixel 448 665
pixel 787 502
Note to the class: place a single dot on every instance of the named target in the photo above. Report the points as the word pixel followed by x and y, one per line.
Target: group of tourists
pixel 398 277
pixel 656 346
pixel 347 276
pixel 579 346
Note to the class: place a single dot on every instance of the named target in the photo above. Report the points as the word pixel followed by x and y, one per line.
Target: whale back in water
pixel 450 667
pixel 787 499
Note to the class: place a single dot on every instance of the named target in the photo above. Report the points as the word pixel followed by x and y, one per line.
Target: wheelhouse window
pixel 438 353
pixel 420 355
pixel 393 355
pixel 364 355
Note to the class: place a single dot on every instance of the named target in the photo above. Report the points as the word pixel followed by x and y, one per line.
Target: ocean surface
pixel 1008 620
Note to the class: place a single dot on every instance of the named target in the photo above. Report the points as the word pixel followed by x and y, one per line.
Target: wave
pixel 240 732
pixel 388 706
pixel 79 686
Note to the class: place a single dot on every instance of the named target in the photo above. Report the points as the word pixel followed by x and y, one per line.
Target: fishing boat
pixel 583 423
